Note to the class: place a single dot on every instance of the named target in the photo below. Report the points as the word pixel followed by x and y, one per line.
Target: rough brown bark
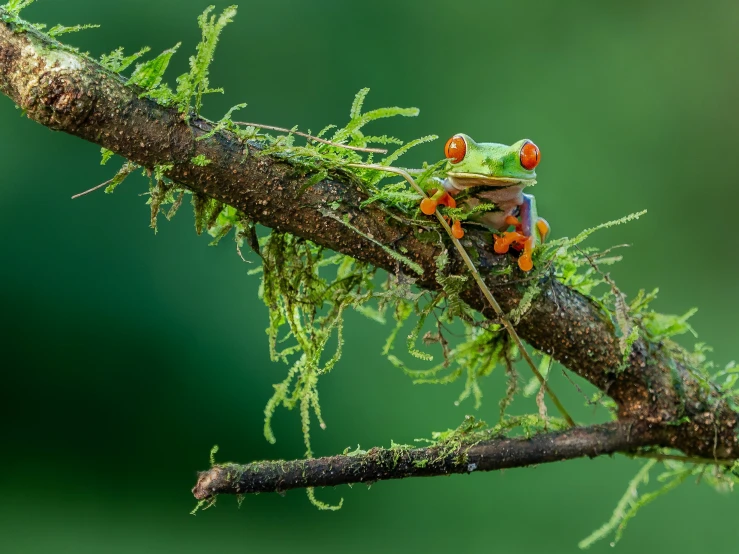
pixel 71 93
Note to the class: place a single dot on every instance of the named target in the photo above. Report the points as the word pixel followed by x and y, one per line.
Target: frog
pixel 492 173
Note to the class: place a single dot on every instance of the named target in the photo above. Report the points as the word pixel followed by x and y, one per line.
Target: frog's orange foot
pixel 442 198
pixel 518 241
pixel 457 231
pixel 524 260
pixel 439 198
pixel 503 242
pixel 512 220
pixel 428 206
pixel 448 200
pixel 543 227
pixel 456 227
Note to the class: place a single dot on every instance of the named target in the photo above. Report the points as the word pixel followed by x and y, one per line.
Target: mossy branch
pixel 657 396
pixel 399 462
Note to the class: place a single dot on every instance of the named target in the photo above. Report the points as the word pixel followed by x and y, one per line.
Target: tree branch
pixel 398 463
pixel 72 93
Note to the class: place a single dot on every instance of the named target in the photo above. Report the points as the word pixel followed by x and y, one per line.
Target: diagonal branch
pixel 398 463
pixel 69 92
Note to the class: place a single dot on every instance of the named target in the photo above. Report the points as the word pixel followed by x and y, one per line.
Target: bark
pixel 69 92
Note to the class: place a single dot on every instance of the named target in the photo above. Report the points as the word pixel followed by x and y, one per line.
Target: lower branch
pixel 379 464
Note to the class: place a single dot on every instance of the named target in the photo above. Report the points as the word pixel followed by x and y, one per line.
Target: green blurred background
pixel 128 354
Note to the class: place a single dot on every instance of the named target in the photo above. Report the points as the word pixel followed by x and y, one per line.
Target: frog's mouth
pixel 462 181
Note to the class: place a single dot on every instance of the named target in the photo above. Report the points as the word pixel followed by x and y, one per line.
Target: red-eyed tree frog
pixel 496 174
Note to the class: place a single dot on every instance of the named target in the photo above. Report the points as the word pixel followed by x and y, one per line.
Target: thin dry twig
pixel 93 189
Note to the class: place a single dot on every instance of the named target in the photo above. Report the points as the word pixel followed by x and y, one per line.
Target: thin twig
pixel 93 189
pixel 578 389
pixel 311 137
pixel 483 287
pixel 540 395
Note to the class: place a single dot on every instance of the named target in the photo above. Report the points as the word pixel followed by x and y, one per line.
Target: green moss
pixel 322 505
pixel 192 86
pixel 106 155
pixel 116 62
pixel 149 75
pixel 58 30
pixel 399 451
pixel 632 500
pixel 121 176
pixel 204 505
pixel 532 291
pixel 200 160
pixel 213 452
pixel 472 431
pixel 224 123
pixel 453 286
pixel 482 349
pixel 356 452
pixel 14 7
pixel 306 309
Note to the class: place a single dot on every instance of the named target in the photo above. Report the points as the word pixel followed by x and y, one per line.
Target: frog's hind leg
pixel 527 214
pixel 530 230
pixel 512 220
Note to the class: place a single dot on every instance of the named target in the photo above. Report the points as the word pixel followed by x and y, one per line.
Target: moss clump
pixel 306 294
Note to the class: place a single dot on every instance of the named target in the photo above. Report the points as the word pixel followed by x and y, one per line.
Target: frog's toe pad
pixel 543 227
pixel 525 262
pixel 457 231
pixel 428 206
pixel 500 246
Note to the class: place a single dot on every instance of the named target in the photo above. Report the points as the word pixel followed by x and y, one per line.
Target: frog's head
pixel 490 164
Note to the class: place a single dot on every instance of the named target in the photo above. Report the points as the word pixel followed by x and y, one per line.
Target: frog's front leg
pixel 530 231
pixel 442 197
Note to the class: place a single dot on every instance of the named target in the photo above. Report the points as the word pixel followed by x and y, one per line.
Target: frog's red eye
pixel 455 149
pixel 529 155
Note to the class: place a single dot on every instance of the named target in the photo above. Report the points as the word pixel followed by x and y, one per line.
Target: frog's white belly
pixel 507 199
